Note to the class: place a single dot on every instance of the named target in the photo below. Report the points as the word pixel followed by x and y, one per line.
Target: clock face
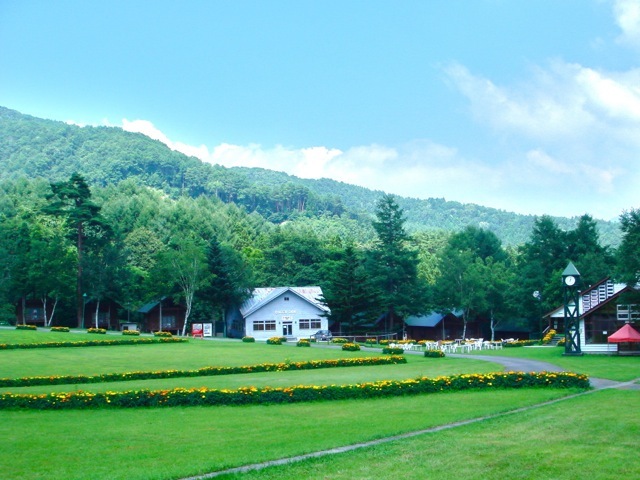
pixel 570 280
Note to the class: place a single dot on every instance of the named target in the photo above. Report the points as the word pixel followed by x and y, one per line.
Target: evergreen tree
pixel 228 280
pixel 72 201
pixel 346 291
pixel 393 266
pixel 628 255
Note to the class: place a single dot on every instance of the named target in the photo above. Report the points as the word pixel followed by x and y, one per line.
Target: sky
pixel 529 106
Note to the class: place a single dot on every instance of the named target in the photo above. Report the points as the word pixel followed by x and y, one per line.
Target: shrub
pixel 434 354
pixel 26 327
pixel 274 341
pixel 548 337
pixel 303 342
pixel 393 351
pixel 520 343
pixel 384 342
pixel 339 340
pixel 163 334
pixel 99 331
pixel 371 341
pixel 350 347
pixel 300 393
pixel 92 343
pixel 131 332
pixel 248 340
pixel 60 329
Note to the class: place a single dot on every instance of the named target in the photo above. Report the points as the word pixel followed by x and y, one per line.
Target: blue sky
pixel 527 106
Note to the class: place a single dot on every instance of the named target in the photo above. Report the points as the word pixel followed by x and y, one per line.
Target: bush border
pixel 302 393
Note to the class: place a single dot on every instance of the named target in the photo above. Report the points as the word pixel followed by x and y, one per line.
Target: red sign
pixel 196 330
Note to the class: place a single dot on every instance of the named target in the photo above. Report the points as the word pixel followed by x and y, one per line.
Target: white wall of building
pixel 287 315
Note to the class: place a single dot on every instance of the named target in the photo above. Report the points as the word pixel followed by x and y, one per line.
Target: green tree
pixel 393 265
pixel 585 250
pixel 180 272
pixel 346 291
pixel 51 260
pixel 228 282
pixel 72 201
pixel 473 277
pixel 628 254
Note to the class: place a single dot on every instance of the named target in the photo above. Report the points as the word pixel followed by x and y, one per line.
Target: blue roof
pixel 430 320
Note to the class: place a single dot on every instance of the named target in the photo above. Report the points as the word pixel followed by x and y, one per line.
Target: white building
pixel 601 314
pixel 292 312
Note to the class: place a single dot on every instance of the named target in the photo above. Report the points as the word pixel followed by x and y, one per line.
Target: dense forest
pixel 100 213
pixel 36 148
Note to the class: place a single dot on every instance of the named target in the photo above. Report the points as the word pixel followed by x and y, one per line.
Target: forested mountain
pixel 31 147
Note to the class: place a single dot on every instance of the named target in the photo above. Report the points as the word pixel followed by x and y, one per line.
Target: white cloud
pixel 569 126
pixel 627 16
pixel 530 182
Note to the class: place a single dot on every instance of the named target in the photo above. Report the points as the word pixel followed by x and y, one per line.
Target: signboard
pixel 207 329
pixel 196 330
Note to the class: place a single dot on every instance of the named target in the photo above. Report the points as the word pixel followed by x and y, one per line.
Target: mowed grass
pixel 168 443
pixel 570 439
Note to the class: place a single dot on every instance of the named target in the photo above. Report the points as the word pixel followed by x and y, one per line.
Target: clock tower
pixel 570 286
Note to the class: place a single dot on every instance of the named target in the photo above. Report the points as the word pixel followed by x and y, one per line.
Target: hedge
pixel 92 343
pixel 303 393
pixel 393 350
pixel 201 372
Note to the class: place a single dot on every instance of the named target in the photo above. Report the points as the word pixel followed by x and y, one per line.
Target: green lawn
pixel 568 440
pixel 168 443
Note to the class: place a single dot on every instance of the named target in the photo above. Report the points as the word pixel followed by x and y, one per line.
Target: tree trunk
pixel 96 314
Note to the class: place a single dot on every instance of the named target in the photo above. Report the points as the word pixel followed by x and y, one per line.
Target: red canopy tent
pixel 625 334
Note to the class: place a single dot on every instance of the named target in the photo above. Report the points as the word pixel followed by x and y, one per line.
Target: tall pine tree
pixel 393 266
pixel 72 201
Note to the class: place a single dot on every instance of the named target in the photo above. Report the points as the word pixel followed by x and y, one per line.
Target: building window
pixel 286 299
pixel 310 324
pixel 168 321
pixel 264 325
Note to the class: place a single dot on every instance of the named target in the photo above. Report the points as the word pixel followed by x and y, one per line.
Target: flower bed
pixel 60 329
pixel 350 347
pixel 92 343
pixel 274 341
pixel 339 340
pixel 303 343
pixel 99 331
pixel 393 351
pixel 548 337
pixel 201 372
pixel 163 334
pixel 434 354
pixel 248 340
pixel 26 327
pixel 520 343
pixel 302 393
pixel 132 333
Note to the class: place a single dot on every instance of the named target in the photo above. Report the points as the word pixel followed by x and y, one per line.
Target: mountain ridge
pixel 51 149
